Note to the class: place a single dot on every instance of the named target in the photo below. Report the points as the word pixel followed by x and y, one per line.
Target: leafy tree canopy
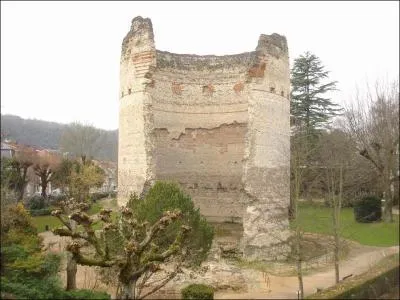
pixel 309 79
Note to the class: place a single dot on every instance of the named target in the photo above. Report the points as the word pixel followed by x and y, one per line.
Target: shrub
pixel 165 196
pixel 86 294
pixel 368 209
pixel 36 202
pixel 98 195
pixel 40 212
pixel 197 291
pixel 26 270
pixel 55 199
pixel 33 288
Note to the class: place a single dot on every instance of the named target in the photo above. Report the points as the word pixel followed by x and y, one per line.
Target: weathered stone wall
pixel 201 123
pixel 134 145
pixel 218 125
pixel 266 171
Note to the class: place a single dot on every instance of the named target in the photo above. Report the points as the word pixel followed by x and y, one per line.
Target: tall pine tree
pixel 311 111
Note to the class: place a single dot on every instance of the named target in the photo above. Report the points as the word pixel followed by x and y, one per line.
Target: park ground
pixel 368 245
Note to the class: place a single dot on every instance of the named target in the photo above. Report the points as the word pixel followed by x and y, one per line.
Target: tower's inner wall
pixel 200 123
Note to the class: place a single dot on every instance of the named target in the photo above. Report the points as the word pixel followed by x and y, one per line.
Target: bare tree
pixel 327 159
pixel 335 156
pixel 20 165
pixel 78 178
pixel 80 140
pixel 299 159
pixel 44 166
pixel 373 123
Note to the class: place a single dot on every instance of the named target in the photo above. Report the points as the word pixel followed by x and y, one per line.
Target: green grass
pixel 317 219
pixel 41 222
pixel 94 208
pixel 53 222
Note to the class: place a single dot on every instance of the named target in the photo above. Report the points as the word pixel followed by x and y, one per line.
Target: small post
pixel 46 227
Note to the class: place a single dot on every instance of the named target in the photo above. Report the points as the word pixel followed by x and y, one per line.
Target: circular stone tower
pixel 217 125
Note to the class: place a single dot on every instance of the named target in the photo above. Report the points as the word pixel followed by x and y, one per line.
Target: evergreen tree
pixel 311 111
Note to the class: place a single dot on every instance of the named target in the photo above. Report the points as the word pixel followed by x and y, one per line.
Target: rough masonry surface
pixel 217 125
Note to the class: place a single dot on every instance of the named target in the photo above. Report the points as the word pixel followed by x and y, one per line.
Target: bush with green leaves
pixel 98 196
pixel 26 271
pixel 36 202
pixel 368 209
pixel 197 291
pixel 86 294
pixel 165 196
pixel 55 199
pixel 40 212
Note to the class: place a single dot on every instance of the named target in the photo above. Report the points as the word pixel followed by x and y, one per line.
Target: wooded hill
pixel 47 135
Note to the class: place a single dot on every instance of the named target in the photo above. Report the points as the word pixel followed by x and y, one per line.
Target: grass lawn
pixel 316 218
pixel 53 222
pixel 41 222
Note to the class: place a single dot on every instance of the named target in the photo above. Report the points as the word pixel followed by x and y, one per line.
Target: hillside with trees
pixel 48 135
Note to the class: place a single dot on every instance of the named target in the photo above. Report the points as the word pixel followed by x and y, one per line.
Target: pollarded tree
pixel 309 107
pixel 44 166
pixel 138 247
pixel 76 179
pixel 15 175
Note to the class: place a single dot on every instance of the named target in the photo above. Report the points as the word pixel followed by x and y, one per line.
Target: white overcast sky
pixel 60 60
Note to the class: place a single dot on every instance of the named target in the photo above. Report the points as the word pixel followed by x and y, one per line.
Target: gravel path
pixel 362 258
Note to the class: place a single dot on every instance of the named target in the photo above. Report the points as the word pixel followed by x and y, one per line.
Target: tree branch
pixel 163 283
pixel 164 221
pixel 65 232
pixel 86 261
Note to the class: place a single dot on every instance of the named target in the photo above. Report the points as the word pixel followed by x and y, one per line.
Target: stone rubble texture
pixel 217 125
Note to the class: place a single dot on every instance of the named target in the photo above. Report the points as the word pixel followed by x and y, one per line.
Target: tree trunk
pixel 299 267
pixel 72 267
pixel 337 204
pixel 298 233
pixel 336 235
pixel 21 194
pixel 43 184
pixel 22 185
pixel 127 291
pixel 71 272
pixel 337 259
pixel 387 210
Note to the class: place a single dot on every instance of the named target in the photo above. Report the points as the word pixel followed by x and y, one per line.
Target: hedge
pixel 197 291
pixel 368 209
pixel 40 212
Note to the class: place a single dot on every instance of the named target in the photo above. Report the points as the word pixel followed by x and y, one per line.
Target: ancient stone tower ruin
pixel 217 125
